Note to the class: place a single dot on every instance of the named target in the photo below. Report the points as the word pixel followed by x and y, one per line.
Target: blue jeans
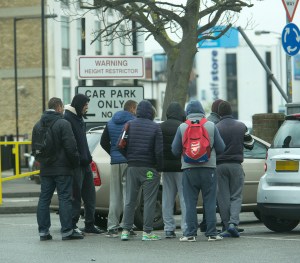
pixel 63 183
pixel 193 181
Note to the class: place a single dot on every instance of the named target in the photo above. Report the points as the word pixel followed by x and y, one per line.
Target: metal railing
pixel 16 152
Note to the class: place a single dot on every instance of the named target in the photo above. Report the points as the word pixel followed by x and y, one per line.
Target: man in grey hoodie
pixel 199 176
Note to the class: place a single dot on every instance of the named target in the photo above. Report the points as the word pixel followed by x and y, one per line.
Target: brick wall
pixel 265 125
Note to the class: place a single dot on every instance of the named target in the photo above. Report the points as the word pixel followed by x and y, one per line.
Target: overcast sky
pixel 268 15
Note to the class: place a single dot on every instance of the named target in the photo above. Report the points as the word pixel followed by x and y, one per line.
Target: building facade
pixel 68 35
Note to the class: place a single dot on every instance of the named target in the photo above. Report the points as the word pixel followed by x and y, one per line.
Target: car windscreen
pixel 93 140
pixel 288 135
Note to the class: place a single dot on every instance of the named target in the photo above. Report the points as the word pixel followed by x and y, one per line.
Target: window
pixel 65 39
pixel 110 42
pixel 232 83
pixel 122 39
pixel 66 91
pixel 259 151
pixel 79 37
pixel 288 135
pixel 98 48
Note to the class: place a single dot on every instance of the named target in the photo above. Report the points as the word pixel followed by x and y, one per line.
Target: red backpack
pixel 196 142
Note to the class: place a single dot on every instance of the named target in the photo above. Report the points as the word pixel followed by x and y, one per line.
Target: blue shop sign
pixel 229 40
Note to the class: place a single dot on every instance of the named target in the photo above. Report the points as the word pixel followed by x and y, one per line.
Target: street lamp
pixel 16 19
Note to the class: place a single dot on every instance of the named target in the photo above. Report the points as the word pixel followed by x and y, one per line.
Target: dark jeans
pixel 193 181
pixel 63 185
pixel 83 188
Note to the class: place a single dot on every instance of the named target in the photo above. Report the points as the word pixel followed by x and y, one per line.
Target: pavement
pixel 19 195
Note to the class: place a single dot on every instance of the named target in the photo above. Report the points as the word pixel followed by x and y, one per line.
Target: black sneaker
pixel 45 238
pixel 132 233
pixel 93 230
pixel 112 233
pixel 170 234
pixel 73 236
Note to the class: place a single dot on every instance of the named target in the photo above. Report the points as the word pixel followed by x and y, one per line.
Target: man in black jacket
pixel 172 173
pixel 144 154
pixel 230 171
pixel 57 174
pixel 83 182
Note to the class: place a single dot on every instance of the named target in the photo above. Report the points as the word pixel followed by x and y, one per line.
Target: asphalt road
pixel 20 243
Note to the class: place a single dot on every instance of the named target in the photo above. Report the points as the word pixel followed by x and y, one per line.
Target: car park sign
pixel 291 39
pixel 105 101
pixel 111 67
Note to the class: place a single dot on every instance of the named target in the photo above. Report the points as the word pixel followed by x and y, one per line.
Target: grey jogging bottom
pixel 149 180
pixel 230 186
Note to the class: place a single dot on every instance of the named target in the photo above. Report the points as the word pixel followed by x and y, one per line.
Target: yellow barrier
pixel 18 175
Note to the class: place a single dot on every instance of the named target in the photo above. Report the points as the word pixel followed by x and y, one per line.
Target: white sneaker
pixel 78 231
pixel 215 238
pixel 187 239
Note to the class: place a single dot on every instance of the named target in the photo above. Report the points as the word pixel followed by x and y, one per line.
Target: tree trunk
pixel 179 66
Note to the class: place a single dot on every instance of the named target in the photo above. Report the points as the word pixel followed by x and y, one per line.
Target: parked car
pixel 253 166
pixel 278 196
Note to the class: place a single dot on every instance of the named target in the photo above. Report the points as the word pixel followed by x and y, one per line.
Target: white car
pixel 278 195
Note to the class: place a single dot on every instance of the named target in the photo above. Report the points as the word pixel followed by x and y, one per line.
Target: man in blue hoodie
pixel 199 176
pixel 118 162
pixel 144 153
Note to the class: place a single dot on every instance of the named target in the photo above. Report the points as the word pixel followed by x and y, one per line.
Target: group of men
pixel 151 148
pixel 69 171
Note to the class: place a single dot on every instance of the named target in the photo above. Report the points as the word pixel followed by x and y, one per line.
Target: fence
pixel 16 152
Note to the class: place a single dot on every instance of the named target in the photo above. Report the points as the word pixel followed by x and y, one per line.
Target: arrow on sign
pixel 89 115
pixel 290 8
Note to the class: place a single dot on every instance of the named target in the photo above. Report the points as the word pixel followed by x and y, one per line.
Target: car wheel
pixel 257 214
pixel 158 222
pixel 101 221
pixel 279 225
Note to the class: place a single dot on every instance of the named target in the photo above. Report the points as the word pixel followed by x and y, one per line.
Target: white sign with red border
pixel 111 67
pixel 290 8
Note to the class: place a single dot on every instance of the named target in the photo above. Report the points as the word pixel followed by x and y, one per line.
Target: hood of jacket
pixel 122 116
pixel 49 116
pixel 70 108
pixel 194 106
pixel 175 111
pixel 78 103
pixel 145 110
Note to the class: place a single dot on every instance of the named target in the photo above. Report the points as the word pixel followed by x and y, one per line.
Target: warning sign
pixel 111 67
pixel 105 101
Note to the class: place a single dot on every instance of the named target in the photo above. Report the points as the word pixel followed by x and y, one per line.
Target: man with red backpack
pixel 199 168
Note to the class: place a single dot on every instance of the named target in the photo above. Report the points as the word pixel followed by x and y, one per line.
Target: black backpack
pixel 43 148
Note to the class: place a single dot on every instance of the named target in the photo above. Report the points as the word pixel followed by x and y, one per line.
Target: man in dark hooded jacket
pixel 172 173
pixel 58 173
pixel 144 153
pixel 83 182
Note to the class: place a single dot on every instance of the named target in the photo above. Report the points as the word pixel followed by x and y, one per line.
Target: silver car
pixel 253 167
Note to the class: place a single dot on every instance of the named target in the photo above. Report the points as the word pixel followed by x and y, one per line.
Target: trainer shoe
pixel 132 233
pixel 225 234
pixel 92 230
pixel 170 234
pixel 187 239
pixel 112 233
pixel 125 235
pixel 215 238
pixel 150 237
pixel 232 229
pixel 46 237
pixel 73 236
pixel 76 228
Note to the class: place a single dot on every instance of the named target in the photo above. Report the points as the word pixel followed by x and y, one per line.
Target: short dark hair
pixel 54 103
pixel 130 104
pixel 224 109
